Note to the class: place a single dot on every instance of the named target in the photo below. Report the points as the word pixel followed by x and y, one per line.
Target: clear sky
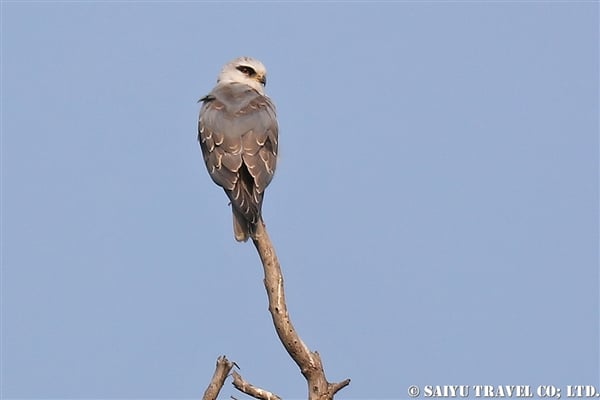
pixel 435 207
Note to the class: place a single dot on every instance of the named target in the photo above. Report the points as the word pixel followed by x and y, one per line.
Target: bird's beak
pixel 262 79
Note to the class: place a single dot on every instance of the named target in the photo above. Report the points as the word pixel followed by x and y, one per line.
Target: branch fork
pixel 309 362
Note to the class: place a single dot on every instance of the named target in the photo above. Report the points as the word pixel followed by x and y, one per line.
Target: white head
pixel 246 70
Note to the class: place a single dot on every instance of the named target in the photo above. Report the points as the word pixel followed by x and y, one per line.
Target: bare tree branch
pixel 251 390
pixel 309 362
pixel 216 383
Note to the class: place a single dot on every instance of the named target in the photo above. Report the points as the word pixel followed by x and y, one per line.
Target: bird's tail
pixel 242 228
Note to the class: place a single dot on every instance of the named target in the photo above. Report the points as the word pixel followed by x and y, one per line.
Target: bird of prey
pixel 237 131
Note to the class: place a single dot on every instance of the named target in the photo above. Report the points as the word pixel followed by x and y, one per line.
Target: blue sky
pixel 435 207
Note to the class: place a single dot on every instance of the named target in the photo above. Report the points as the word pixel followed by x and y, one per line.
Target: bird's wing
pixel 238 137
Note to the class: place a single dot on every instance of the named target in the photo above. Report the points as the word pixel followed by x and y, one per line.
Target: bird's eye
pixel 248 71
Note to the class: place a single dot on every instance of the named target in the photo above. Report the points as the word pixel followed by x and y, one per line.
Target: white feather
pixel 230 73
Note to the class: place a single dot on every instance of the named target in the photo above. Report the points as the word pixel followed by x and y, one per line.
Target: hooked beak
pixel 262 79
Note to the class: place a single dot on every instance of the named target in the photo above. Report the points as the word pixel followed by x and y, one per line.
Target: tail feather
pixel 241 227
pixel 246 204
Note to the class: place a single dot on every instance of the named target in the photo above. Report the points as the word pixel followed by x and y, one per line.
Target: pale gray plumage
pixel 237 131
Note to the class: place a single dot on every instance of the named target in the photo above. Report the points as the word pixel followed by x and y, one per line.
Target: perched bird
pixel 237 131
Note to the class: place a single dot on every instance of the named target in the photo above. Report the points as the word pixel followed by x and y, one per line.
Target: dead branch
pixel 216 383
pixel 251 390
pixel 308 361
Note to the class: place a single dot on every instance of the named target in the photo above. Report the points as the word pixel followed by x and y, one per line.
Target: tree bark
pixel 308 361
pixel 216 383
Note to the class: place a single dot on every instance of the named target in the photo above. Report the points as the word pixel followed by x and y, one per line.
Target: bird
pixel 238 136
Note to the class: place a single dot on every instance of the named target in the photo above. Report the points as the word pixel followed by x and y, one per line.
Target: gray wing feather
pixel 238 132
